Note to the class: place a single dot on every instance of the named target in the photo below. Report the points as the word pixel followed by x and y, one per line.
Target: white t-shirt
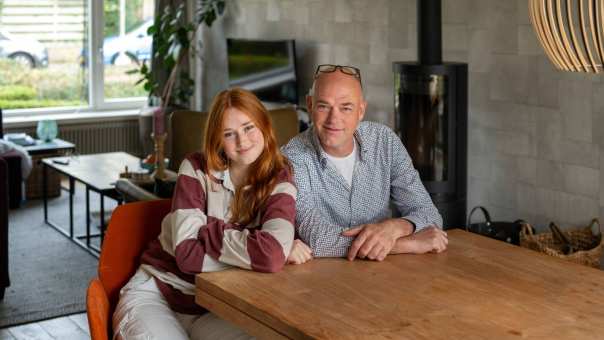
pixel 345 165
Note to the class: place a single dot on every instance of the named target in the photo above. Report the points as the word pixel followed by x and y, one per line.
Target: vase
pixel 47 130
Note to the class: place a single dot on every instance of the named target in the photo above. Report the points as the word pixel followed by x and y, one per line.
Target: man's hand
pixel 427 240
pixel 375 241
pixel 300 253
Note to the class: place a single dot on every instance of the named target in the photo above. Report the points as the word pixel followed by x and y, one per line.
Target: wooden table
pixel 478 289
pixel 98 172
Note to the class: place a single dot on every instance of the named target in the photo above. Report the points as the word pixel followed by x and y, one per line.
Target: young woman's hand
pixel 300 253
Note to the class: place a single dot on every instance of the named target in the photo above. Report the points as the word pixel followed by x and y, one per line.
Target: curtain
pixel 208 67
pixel 211 71
pixel 159 72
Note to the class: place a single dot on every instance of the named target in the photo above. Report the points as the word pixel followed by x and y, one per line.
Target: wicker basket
pixel 581 238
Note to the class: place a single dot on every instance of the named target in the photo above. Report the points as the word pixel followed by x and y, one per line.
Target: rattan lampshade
pixel 571 32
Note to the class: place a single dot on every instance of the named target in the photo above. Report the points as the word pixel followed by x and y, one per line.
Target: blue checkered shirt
pixel 326 205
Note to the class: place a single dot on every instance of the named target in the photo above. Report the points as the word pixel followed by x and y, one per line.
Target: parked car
pixel 28 52
pixel 136 45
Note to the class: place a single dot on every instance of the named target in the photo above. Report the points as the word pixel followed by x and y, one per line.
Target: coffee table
pixel 98 172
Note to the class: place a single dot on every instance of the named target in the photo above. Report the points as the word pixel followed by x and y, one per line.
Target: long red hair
pixel 262 174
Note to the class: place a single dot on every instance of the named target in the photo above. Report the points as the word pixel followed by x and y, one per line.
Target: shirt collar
pixel 225 178
pixel 316 144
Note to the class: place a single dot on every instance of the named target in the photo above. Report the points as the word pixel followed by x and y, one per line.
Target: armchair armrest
pixel 133 192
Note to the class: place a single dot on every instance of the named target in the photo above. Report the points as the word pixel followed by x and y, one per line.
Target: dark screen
pixel 264 67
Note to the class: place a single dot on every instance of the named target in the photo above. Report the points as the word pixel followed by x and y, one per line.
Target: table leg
pixel 102 218
pixel 87 217
pixel 71 193
pixel 45 190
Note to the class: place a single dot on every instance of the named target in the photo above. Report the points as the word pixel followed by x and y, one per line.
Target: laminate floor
pixel 67 327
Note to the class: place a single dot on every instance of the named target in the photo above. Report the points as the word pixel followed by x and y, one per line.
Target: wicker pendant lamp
pixel 571 32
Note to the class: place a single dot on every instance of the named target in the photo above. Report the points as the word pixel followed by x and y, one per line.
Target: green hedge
pixel 17 92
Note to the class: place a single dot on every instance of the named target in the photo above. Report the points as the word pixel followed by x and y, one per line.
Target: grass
pixel 60 84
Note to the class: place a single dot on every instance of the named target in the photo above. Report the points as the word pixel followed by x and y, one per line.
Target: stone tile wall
pixel 535 134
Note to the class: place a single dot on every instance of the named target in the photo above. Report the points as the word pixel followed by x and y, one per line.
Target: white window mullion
pixel 96 20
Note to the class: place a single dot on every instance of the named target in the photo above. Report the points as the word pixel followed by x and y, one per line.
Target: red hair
pixel 261 177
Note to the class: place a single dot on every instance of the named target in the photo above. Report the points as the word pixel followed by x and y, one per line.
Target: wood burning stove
pixel 431 117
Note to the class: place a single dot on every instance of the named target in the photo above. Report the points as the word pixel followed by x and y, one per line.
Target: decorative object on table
pixel 503 231
pixel 21 138
pixel 586 243
pixel 160 164
pixel 149 161
pixel 137 176
pixel 571 33
pixel 47 130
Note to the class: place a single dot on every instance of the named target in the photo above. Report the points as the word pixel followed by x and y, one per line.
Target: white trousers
pixel 143 313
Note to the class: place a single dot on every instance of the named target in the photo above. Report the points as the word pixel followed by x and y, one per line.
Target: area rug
pixel 49 274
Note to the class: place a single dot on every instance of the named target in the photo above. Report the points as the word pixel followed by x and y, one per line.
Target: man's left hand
pixel 375 241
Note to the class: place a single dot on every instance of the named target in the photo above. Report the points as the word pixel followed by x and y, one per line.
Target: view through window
pixel 126 45
pixel 44 54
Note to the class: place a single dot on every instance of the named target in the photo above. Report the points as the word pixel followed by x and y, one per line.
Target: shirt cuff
pixel 418 224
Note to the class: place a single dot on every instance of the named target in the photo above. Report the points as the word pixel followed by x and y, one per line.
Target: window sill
pixel 72 118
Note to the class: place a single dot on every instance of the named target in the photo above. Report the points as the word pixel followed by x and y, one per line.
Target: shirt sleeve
pixel 202 243
pixel 407 192
pixel 325 239
pixel 264 248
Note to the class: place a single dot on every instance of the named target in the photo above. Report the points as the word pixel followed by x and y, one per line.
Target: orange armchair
pixel 131 228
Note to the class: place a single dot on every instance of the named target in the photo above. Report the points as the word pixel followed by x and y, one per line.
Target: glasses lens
pixel 327 68
pixel 350 71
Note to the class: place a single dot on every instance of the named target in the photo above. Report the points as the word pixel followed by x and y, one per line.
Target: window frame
pixel 96 76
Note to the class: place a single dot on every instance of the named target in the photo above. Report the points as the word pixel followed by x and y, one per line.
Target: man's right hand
pixel 300 253
pixel 427 240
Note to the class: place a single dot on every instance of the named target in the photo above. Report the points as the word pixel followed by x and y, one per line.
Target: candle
pixel 158 122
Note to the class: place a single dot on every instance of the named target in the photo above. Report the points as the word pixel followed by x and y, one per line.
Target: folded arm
pixel 202 243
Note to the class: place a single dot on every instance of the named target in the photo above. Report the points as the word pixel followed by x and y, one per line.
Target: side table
pixel 54 148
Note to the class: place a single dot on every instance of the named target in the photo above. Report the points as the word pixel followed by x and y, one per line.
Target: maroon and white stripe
pixel 197 237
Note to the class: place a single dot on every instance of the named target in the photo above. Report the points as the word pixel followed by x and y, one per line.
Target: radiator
pixel 98 137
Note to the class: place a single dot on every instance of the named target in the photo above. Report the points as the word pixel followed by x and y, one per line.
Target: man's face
pixel 336 108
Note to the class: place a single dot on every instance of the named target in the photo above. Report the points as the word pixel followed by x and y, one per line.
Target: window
pixel 72 56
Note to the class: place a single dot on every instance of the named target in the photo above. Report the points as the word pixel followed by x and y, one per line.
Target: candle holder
pixel 160 165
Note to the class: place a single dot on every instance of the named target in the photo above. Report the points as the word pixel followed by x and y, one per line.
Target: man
pixel 347 173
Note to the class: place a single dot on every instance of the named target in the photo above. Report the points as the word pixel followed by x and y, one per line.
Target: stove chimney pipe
pixel 429 32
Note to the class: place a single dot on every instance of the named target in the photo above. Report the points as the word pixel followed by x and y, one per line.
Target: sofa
pixel 15 187
pixel 4 180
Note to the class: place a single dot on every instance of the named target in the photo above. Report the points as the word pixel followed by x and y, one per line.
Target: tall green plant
pixel 172 43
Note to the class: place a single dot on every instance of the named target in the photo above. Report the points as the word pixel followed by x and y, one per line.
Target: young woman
pixel 233 205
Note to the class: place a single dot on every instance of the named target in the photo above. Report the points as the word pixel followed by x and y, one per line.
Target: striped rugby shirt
pixel 197 237
pixel 383 173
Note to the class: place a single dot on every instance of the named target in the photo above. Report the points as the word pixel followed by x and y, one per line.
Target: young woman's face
pixel 242 140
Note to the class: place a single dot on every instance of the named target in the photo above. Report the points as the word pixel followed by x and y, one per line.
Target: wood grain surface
pixel 478 289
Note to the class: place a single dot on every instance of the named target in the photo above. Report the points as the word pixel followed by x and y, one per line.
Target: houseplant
pixel 173 44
